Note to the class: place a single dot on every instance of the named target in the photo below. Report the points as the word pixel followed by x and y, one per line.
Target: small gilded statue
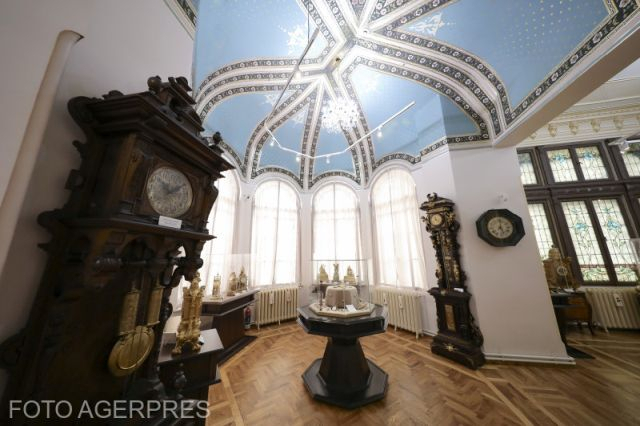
pixel 350 278
pixel 336 273
pixel 323 277
pixel 242 281
pixel 558 271
pixel 215 294
pixel 232 284
pixel 189 328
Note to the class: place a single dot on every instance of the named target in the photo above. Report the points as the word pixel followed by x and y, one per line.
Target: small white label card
pixel 169 222
pixel 351 308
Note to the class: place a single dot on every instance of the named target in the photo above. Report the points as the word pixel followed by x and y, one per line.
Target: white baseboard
pixel 531 358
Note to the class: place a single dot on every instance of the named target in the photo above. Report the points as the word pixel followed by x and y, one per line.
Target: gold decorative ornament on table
pixel 189 329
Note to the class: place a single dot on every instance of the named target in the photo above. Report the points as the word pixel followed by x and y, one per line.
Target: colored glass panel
pixel 585 243
pixel 632 160
pixel 591 163
pixel 617 238
pixel 541 228
pixel 527 173
pixel 561 165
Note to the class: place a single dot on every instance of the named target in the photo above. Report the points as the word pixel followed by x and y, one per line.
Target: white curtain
pixel 336 228
pixel 216 253
pixel 274 234
pixel 399 254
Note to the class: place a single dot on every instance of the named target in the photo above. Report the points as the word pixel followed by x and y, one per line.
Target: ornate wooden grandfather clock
pixel 458 338
pixel 134 225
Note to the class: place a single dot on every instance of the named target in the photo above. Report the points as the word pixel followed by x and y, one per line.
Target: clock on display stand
pixel 458 337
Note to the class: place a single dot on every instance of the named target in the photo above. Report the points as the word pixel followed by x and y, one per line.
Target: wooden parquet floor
pixel 262 385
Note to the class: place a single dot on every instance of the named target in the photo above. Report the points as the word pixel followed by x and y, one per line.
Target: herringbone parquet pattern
pixel 262 385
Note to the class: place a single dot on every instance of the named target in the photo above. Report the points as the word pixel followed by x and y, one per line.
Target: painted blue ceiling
pixel 522 40
pixel 471 66
pixel 382 95
pixel 243 30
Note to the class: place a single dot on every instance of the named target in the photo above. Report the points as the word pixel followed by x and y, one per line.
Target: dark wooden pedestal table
pixel 343 376
pixel 228 319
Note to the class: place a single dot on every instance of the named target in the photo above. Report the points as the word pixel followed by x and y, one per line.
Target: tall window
pixel 274 239
pixel 336 229
pixel 584 200
pixel 216 252
pixel 400 258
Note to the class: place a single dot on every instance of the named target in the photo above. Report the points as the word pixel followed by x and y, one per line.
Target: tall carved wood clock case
pixel 134 225
pixel 458 337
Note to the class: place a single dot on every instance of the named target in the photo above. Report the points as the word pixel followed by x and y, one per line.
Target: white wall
pixel 124 43
pixel 510 296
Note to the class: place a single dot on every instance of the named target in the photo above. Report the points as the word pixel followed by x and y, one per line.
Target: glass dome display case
pixel 340 288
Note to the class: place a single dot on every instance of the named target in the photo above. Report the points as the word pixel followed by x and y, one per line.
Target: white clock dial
pixel 500 227
pixel 436 219
pixel 169 192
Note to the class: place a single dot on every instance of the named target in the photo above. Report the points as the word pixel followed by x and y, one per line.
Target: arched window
pixel 399 254
pixel 274 234
pixel 222 224
pixel 336 228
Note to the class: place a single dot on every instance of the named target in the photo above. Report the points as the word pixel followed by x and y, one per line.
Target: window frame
pixel 618 186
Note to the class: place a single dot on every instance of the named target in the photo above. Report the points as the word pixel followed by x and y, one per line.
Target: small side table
pixel 199 368
pixel 343 376
pixel 228 318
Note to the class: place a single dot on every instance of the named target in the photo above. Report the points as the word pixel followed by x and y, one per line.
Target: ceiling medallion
pixel 340 115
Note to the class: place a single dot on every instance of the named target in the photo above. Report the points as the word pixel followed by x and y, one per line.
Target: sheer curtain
pixel 336 228
pixel 274 234
pixel 221 224
pixel 400 258
pixel 216 252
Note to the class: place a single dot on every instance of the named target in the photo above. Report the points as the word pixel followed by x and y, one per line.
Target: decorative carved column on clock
pixel 133 227
pixel 458 337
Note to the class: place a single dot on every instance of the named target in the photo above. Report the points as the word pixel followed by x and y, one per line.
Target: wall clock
pixel 500 227
pixel 169 192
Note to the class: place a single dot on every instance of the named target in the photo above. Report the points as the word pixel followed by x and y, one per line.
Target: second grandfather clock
pixel 458 337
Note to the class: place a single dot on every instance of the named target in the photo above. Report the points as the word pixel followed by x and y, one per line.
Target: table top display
pixel 343 376
pixel 341 301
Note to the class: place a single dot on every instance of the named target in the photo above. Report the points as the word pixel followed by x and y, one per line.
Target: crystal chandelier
pixel 340 114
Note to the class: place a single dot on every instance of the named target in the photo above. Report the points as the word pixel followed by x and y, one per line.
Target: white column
pixel 511 301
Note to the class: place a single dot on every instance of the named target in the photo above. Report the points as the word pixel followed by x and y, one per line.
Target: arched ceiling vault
pixel 472 67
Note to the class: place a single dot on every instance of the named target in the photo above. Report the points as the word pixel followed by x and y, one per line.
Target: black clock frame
pixel 482 226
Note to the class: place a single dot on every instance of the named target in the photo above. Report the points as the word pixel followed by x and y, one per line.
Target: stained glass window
pixel 617 238
pixel 632 159
pixel 584 241
pixel 591 163
pixel 561 165
pixel 527 174
pixel 541 228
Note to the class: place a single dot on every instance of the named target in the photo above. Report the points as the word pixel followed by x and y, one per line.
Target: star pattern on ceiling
pixel 397 38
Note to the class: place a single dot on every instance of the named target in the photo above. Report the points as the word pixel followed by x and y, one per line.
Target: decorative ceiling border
pixel 255 171
pixel 621 11
pixel 278 62
pixel 185 13
pixel 443 68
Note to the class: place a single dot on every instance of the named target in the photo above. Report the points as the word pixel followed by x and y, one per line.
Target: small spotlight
pixel 272 143
pixel 328 159
pixel 298 158
pixel 379 134
pixel 298 75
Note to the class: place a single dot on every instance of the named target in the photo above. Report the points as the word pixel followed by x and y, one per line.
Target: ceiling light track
pixel 300 155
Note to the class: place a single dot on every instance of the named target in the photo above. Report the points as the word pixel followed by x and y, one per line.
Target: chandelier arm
pixel 293 72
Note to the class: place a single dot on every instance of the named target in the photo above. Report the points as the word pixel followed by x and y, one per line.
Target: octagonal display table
pixel 343 376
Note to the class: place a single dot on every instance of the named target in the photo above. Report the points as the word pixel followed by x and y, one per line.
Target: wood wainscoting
pixel 262 385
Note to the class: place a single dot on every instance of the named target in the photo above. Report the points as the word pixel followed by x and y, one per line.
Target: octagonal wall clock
pixel 500 227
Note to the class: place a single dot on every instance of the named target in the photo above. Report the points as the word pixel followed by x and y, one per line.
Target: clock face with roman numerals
pixel 169 192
